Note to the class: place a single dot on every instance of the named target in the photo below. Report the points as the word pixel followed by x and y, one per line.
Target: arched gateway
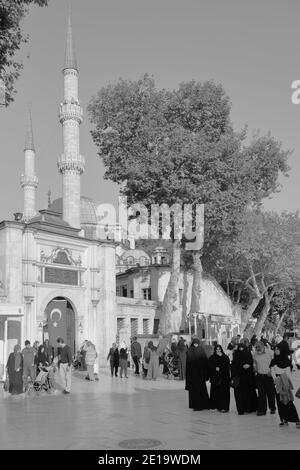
pixel 60 322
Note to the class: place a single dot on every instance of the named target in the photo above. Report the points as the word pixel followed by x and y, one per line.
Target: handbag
pixel 6 384
pixel 297 394
pixel 235 382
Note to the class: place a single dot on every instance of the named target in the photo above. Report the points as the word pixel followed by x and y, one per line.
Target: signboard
pixel 61 276
pixel 220 319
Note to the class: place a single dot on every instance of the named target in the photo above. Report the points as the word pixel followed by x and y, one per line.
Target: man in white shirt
pixel 264 381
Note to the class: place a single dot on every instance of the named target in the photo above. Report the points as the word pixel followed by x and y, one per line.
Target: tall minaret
pixel 29 181
pixel 71 163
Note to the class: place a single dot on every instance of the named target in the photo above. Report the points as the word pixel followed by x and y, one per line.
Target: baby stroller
pixel 172 366
pixel 77 361
pixel 43 381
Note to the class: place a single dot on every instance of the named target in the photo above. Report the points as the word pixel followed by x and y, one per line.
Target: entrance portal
pixel 60 322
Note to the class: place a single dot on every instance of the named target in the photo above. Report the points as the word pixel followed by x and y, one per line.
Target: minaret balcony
pixel 29 180
pixel 70 111
pixel 71 162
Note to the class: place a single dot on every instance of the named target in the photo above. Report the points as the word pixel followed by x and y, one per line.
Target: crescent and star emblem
pixel 55 310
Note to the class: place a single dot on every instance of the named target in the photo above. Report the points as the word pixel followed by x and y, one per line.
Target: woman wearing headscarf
pixel 146 360
pixel 83 351
pixel 181 355
pixel 41 359
pixel 114 359
pixel 219 373
pixel 280 366
pixel 14 368
pixel 153 368
pixel 242 372
pixel 247 344
pixel 90 359
pixel 196 376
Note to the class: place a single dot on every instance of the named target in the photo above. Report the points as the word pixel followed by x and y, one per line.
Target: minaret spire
pixel 29 143
pixel 70 57
pixel 29 181
pixel 71 164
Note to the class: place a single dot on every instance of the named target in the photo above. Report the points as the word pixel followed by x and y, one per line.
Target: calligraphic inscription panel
pixel 61 276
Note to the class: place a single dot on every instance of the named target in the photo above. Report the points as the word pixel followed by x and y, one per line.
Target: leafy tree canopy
pixel 180 147
pixel 12 12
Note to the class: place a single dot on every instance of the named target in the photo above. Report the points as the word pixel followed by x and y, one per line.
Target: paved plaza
pixel 101 415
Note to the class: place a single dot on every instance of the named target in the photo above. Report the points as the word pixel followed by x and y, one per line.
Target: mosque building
pixel 62 273
pixel 57 277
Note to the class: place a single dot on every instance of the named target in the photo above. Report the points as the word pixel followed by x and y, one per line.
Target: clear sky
pixel 251 47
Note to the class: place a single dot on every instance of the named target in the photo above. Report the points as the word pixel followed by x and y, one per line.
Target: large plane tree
pixel 179 147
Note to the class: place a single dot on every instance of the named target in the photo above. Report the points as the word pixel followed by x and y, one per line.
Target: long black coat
pixel 196 376
pixel 15 378
pixel 245 394
pixel 220 382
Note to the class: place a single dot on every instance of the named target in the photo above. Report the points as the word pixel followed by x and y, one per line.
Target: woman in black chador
pixel 242 371
pixel 196 376
pixel 219 373
pixel 15 371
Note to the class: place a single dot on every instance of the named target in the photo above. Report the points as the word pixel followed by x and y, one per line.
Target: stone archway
pixel 60 321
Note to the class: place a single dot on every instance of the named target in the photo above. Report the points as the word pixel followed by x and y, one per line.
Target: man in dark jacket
pixel 29 368
pixel 136 354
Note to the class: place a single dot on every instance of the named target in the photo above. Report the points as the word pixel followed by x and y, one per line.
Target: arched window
pixel 143 260
pixel 130 260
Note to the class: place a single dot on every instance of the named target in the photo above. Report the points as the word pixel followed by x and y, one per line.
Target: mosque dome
pixel 135 257
pixel 88 209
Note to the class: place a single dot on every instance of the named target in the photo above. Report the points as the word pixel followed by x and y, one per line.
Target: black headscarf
pixel 218 346
pixel 281 360
pixel 181 345
pixel 240 357
pixel 219 361
pixel 196 363
pixel 197 351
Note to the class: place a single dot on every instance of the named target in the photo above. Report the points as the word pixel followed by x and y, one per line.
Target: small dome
pixel 135 257
pixel 136 254
pixel 88 209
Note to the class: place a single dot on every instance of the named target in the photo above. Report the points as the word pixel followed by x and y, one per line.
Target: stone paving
pixel 102 415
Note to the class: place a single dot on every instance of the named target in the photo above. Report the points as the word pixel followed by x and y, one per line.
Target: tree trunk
pixel 171 318
pixel 263 316
pixel 246 328
pixel 280 322
pixel 196 287
pixel 239 296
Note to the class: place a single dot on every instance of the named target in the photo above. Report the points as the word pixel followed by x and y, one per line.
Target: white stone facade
pixel 218 320
pixel 26 253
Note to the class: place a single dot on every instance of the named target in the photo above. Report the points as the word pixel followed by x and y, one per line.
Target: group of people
pixel 149 360
pixel 24 365
pixel 259 375
pixel 259 372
